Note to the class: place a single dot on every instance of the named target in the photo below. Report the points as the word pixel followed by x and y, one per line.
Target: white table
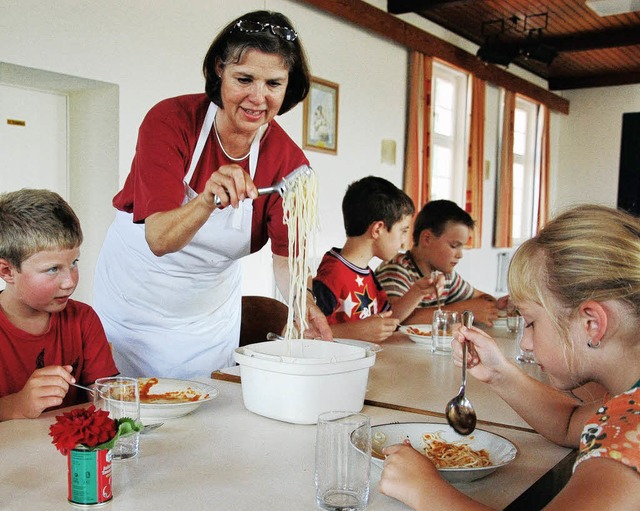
pixel 408 376
pixel 224 457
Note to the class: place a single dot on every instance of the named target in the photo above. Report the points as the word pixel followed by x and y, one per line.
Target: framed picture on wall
pixel 320 117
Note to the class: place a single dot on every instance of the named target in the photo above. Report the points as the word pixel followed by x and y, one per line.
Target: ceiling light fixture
pixel 496 51
pixel 613 7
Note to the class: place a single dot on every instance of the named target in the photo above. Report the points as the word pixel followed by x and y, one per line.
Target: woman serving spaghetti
pixel 168 280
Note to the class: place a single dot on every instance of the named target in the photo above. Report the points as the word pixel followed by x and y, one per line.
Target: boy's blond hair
pixel 35 220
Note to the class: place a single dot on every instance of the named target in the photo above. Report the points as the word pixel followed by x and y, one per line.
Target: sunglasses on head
pixel 286 33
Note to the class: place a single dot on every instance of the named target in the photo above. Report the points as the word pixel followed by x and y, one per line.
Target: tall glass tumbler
pixel 120 396
pixel 343 461
pixel 442 331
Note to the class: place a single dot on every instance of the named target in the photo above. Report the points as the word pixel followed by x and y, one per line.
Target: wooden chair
pixel 261 315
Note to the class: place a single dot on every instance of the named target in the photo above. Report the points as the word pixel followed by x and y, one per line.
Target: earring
pixel 591 345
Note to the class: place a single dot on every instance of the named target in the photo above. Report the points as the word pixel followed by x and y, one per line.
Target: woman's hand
pixel 231 184
pixel 485 360
pixel 167 232
pixel 317 326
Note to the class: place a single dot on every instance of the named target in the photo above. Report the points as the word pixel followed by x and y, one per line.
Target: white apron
pixel 177 315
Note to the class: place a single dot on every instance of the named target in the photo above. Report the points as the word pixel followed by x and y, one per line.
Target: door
pixel 33 140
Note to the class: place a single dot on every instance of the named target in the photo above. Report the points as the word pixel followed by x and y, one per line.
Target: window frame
pixel 525 198
pixel 458 142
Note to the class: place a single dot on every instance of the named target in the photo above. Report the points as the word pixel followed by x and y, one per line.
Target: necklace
pixel 215 129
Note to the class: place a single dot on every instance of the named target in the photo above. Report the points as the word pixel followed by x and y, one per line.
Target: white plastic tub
pixel 295 381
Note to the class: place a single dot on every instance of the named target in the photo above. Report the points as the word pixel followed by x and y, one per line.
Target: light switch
pixel 388 151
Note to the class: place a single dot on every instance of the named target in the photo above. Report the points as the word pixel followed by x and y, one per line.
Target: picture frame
pixel 320 117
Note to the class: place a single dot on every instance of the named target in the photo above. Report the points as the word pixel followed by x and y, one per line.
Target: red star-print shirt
pixel 346 292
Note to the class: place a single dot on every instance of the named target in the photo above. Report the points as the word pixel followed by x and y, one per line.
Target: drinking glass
pixel 343 461
pixel 442 331
pixel 120 396
pixel 522 356
pixel 512 319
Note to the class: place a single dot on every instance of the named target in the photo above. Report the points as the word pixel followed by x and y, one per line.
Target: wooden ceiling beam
pixel 381 22
pixel 614 38
pixel 586 41
pixel 405 6
pixel 603 80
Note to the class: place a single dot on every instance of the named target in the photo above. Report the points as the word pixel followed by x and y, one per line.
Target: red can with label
pixel 89 476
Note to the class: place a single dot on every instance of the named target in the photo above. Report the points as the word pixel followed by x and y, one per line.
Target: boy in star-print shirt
pixel 377 218
pixel 47 340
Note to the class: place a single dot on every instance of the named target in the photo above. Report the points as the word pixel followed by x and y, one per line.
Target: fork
pixel 150 427
pixel 434 276
pixel 83 387
pixel 281 186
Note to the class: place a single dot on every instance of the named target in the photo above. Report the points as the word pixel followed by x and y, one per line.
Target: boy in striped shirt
pixel 440 232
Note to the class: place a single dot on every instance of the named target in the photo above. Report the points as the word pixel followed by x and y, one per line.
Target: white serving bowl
pixel 295 381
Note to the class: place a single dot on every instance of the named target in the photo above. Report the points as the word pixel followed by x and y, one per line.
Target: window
pixel 449 133
pixel 525 177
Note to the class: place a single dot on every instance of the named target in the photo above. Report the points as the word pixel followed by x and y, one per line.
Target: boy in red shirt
pixel 47 341
pixel 377 218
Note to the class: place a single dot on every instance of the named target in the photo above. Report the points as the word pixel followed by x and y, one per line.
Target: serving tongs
pixel 280 187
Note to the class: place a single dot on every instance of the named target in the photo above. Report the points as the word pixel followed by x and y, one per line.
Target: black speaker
pixel 629 174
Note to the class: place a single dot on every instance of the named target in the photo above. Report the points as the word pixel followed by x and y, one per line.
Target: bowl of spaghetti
pixel 420 334
pixel 168 398
pixel 458 458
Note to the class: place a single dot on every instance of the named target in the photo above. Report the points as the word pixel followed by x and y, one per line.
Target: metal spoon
pixel 459 411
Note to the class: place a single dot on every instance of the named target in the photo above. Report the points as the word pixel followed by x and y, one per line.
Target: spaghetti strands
pixel 300 205
pixel 453 454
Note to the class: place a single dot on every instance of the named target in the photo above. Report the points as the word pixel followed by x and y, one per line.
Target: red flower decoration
pixel 86 426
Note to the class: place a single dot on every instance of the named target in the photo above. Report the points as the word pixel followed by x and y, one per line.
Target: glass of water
pixel 444 323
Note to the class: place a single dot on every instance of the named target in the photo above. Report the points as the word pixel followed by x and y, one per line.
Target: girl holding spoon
pixel 577 284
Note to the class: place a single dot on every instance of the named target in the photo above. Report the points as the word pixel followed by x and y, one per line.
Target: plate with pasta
pixel 458 458
pixel 420 334
pixel 168 398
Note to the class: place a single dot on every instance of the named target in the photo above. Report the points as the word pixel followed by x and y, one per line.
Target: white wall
pixel 152 49
pixel 589 145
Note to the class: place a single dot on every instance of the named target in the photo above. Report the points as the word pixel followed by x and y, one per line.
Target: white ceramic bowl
pixel 157 408
pixel 501 451
pixel 295 381
pixel 420 334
